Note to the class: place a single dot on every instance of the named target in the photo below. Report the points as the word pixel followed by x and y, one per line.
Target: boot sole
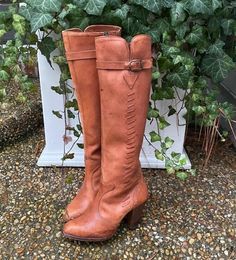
pixel 83 239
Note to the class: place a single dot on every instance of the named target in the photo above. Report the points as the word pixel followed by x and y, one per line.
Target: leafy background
pixel 193 42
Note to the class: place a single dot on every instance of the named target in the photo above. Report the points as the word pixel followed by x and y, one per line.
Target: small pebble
pixel 48 228
pixel 199 236
pixel 191 241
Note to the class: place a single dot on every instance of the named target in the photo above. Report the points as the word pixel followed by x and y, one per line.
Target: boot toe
pixel 68 229
pixel 86 230
pixel 73 230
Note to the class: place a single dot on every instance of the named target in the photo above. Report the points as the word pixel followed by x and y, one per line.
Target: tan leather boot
pixel 125 78
pixel 81 57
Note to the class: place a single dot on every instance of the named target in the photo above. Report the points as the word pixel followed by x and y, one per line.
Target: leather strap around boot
pixel 134 65
pixel 80 55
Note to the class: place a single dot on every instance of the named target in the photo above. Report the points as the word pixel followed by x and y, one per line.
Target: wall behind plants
pixel 192 40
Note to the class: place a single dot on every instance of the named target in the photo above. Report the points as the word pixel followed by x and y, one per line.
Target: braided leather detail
pixel 131 142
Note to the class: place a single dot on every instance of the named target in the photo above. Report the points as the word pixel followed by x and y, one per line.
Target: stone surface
pixel 194 219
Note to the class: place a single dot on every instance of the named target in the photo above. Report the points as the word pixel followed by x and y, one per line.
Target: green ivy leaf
pixel 66 10
pixel 21 97
pixel 132 26
pixel 167 3
pixel 170 50
pixel 164 64
pixel 158 28
pixel 46 6
pixel 172 111
pixel 80 3
pixel 196 35
pixel 83 23
pixel 57 114
pixel 154 137
pixel 184 59
pixel 216 48
pixel 182 175
pixel 154 95
pixel 77 133
pixel 183 161
pixel 177 13
pixel 58 90
pixel 168 142
pixel 199 109
pixel 39 20
pixel 122 12
pixel 72 103
pixel 153 113
pixel 81 146
pixel 46 46
pixel 95 7
pixel 176 156
pixel 181 30
pixel 228 26
pixel 79 127
pixel 68 156
pixel 2 32
pixel 140 13
pixel 151 5
pixel 25 11
pixel 4 76
pixel 159 155
pixel 163 123
pixel 70 114
pixel 60 60
pixel 19 24
pixel 198 6
pixel 156 75
pixel 180 77
pixel 214 25
pixel 216 4
pixel 170 170
pixel 217 67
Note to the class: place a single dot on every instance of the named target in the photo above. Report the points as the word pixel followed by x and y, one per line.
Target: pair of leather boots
pixel 112 81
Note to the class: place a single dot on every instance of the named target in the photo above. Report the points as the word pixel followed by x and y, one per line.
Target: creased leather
pixel 124 102
pixel 81 56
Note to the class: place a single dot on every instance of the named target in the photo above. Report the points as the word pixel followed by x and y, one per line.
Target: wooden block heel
pixel 134 216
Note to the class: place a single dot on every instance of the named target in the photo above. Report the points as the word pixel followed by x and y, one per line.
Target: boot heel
pixel 134 216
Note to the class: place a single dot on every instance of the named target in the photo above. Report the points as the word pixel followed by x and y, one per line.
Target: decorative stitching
pixel 131 144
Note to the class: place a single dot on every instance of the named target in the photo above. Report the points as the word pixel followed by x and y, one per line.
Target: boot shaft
pixel 125 79
pixel 81 57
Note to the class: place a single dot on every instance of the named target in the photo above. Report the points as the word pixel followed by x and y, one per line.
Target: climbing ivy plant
pixel 15 53
pixel 193 42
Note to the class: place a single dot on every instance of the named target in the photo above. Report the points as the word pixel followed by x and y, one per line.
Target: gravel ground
pixel 195 219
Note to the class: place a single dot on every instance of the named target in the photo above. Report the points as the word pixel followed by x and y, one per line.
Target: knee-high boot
pixel 81 57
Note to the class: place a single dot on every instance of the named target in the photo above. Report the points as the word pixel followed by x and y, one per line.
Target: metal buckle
pixel 135 65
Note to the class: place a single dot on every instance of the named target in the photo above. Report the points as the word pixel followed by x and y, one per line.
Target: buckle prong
pixel 136 65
